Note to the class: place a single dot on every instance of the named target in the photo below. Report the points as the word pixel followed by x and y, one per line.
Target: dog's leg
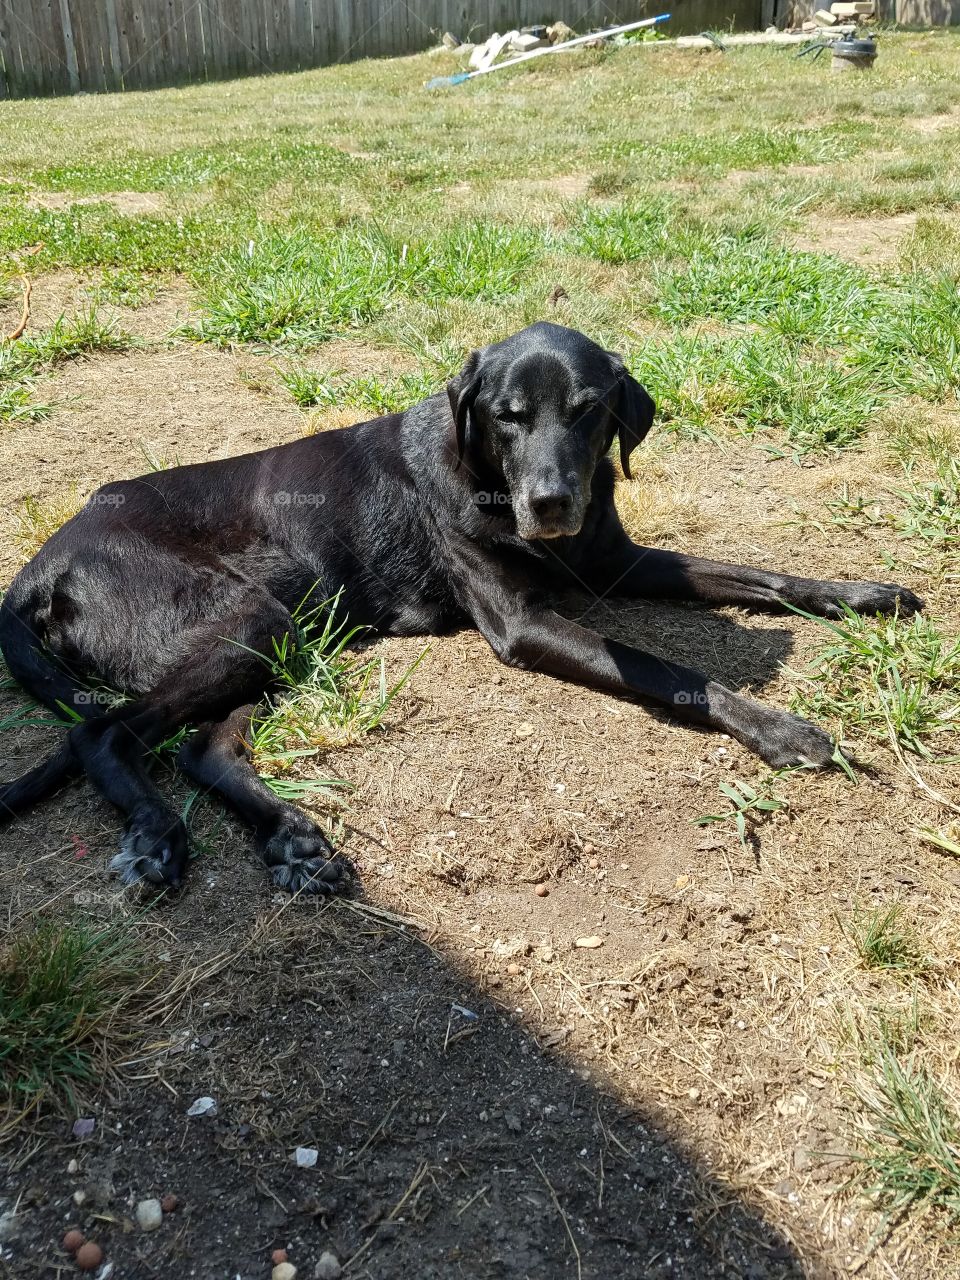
pixel 221 668
pixel 298 854
pixel 541 640
pixel 630 570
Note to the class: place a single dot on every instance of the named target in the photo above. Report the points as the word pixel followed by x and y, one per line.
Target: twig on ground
pixel 25 316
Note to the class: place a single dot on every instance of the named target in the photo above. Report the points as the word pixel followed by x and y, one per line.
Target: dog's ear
pixel 463 391
pixel 632 410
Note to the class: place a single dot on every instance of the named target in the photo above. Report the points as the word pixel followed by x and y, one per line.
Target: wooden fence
pixel 65 46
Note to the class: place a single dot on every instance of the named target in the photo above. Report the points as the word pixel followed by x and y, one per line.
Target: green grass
pixel 887 678
pixel 884 940
pixel 328 695
pixel 65 991
pixel 908 1139
pixel 22 361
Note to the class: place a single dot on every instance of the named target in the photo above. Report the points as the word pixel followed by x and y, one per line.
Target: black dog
pixel 467 510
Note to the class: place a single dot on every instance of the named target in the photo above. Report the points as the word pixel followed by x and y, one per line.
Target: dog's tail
pixel 19 796
pixel 31 666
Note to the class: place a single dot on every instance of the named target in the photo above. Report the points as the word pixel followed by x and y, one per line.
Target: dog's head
pixel 540 410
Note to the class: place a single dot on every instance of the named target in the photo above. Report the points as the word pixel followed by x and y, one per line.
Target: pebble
pixel 169 1203
pixel 203 1107
pixel 513 969
pixel 589 848
pixel 306 1157
pixel 73 1240
pixel 9 1226
pixel 149 1215
pixel 79 1197
pixel 89 1256
pixel 284 1271
pixel 328 1267
pixel 278 1256
pixel 594 863
pixel 73 1166
pixel 590 943
pixel 541 891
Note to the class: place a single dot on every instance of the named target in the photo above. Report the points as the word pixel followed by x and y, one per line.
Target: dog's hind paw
pixel 153 851
pixel 302 860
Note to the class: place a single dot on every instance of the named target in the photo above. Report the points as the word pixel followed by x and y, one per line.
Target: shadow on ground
pixel 448 1145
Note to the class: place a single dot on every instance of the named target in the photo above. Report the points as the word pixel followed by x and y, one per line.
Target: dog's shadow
pixel 694 635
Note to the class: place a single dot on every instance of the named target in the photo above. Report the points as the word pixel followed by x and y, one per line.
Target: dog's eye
pixel 513 417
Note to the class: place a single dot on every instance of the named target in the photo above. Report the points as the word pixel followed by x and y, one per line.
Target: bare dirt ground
pixel 666 1104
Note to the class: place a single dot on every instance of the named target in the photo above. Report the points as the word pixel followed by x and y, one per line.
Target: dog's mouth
pixel 536 531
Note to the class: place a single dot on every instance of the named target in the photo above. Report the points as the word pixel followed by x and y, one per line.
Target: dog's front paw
pixel 302 860
pixel 875 597
pixel 786 742
pixel 154 850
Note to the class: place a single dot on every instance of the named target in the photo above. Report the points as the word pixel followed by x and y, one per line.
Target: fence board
pixel 63 46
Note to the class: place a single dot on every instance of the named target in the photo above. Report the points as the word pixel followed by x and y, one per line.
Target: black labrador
pixel 469 509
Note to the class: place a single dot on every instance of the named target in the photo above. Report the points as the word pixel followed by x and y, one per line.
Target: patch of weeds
pixel 477 260
pixel 307 388
pixel 369 393
pixel 908 1139
pixel 914 348
pixel 327 696
pixel 800 295
pixel 388 395
pixel 83 334
pixel 63 989
pixel 38 520
pixel 933 246
pixel 756 383
pixel 748 805
pixel 97 235
pixel 22 360
pixel 886 678
pixel 883 940
pixel 608 182
pixel 624 233
pixel 295 288
pixel 127 288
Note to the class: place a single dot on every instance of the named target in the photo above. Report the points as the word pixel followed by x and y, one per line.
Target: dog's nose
pixel 552 503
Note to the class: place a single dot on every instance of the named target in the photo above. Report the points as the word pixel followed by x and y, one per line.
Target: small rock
pixel 89 1256
pixel 169 1203
pixel 306 1157
pixel 513 969
pixel 278 1256
pixel 149 1215
pixel 84 1128
pixel 328 1267
pixel 73 1166
pixel 512 948
pixel 284 1271
pixel 73 1240
pixel 590 943
pixel 9 1226
pixel 594 863
pixel 541 890
pixel 79 1198
pixel 589 849
pixel 203 1107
